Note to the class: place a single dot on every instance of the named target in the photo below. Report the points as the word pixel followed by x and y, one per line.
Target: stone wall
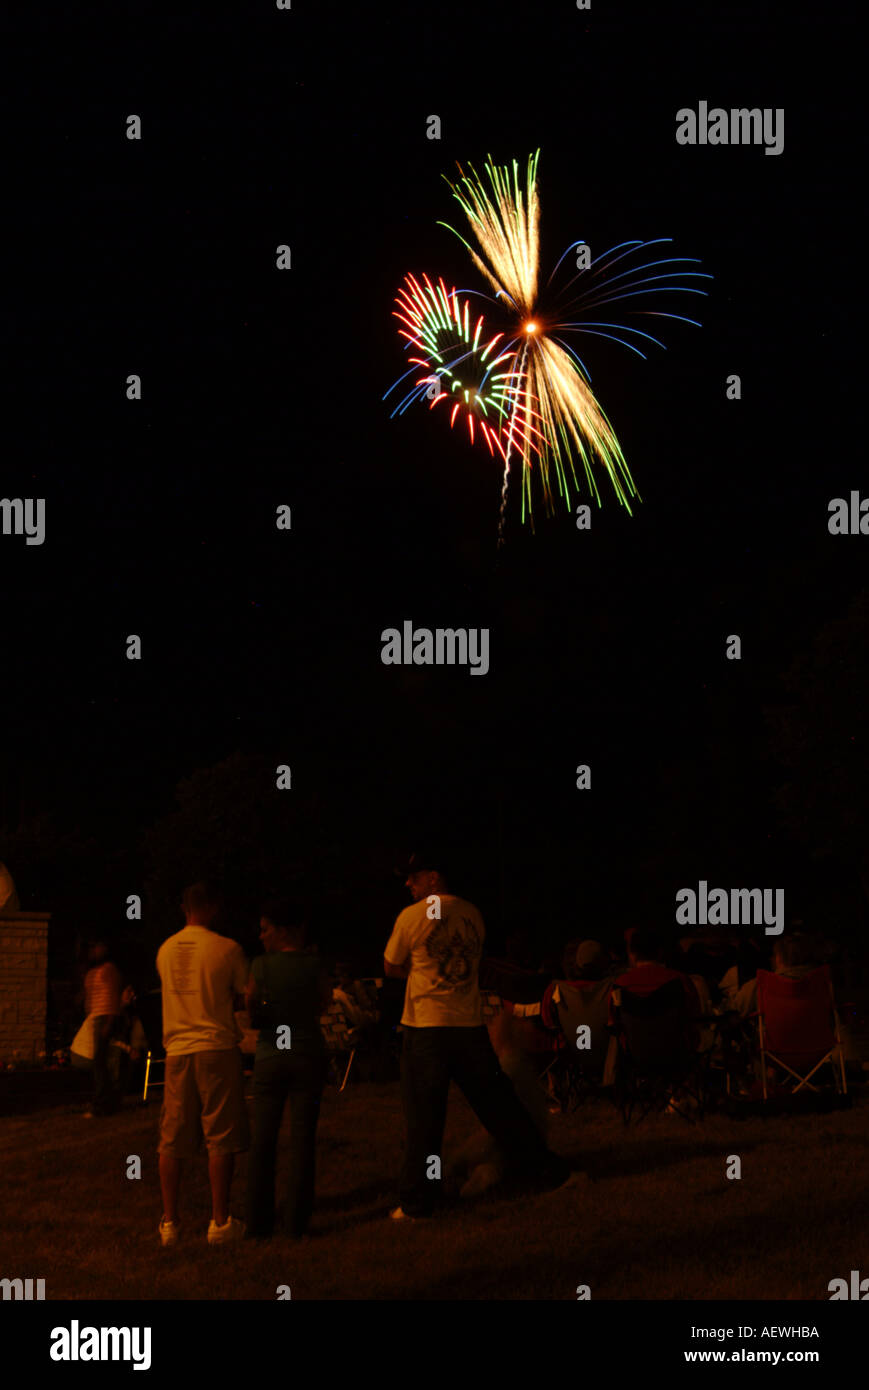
pixel 23 971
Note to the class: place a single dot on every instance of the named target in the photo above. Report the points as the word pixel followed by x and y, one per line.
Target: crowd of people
pixel 436 950
pixel 436 947
pixel 718 978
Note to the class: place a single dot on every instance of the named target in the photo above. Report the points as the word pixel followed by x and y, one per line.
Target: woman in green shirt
pixel 288 991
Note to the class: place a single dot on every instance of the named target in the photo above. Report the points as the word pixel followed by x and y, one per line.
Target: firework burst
pixel 525 383
pixel 457 363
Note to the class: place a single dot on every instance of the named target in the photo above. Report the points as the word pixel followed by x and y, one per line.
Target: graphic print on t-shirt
pixel 181 964
pixel 456 947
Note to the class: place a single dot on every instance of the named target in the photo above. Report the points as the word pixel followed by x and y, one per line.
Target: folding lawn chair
pixel 798 1029
pixel 657 1068
pixel 541 1042
pixel 340 1039
pixel 579 1072
pixel 150 1063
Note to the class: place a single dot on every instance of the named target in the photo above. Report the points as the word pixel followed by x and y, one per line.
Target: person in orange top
pixel 102 994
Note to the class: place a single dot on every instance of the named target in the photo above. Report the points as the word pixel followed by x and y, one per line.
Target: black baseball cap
pixel 426 859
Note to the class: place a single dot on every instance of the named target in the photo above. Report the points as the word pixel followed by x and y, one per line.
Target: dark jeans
pixel 106 1096
pixel 300 1078
pixel 431 1058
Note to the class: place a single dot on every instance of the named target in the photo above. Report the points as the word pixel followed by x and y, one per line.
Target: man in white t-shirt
pixel 202 975
pixel 436 944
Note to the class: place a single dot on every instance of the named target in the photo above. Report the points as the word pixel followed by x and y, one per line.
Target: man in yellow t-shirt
pixel 202 974
pixel 436 944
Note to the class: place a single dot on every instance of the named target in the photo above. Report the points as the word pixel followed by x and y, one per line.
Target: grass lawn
pixel 656 1219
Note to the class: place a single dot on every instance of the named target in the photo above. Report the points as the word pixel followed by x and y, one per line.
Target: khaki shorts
pixel 204 1095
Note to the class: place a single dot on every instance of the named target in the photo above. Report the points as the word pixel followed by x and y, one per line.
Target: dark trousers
pixel 106 1097
pixel 431 1058
pixel 299 1079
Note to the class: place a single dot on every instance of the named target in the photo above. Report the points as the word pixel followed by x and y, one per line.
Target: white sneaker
pixel 224 1235
pixel 168 1232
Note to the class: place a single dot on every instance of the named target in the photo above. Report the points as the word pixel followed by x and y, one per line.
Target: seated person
pixel 707 1034
pixel 702 961
pixel 360 1010
pixel 749 956
pixel 706 960
pixel 791 957
pixel 501 976
pixel 129 1042
pixel 588 966
pixel 583 999
pixel 646 973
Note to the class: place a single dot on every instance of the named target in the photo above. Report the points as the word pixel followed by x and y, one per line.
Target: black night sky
pixel 260 388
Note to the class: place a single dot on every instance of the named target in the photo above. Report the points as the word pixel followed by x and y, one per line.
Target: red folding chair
pixel 798 1028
